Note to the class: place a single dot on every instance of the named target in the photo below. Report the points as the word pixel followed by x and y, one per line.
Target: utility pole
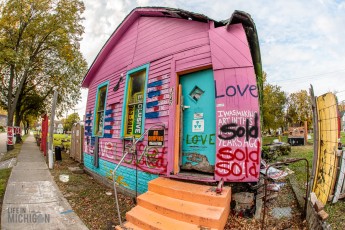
pixel 51 132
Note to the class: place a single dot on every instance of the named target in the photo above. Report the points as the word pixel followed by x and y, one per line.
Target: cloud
pixel 297 37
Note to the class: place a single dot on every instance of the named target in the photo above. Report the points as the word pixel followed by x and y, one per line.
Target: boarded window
pixel 135 101
pixel 100 110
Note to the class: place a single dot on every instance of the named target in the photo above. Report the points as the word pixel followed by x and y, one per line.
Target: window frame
pixel 126 98
pixel 99 87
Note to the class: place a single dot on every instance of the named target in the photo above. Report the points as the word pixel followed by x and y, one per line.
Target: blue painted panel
pixel 154 94
pixel 108 135
pixel 199 124
pixel 125 176
pixel 152 115
pixel 108 127
pixel 109 119
pixel 151 104
pixel 108 112
pixel 154 84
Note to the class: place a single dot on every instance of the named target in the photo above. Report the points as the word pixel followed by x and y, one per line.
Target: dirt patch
pixel 91 203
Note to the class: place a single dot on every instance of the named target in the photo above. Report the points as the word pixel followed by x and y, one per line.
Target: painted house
pixel 186 89
pixel 58 127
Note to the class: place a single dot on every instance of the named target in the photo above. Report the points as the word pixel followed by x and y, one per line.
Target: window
pixel 133 114
pixel 100 107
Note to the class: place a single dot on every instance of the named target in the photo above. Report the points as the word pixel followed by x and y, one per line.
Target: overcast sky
pixel 302 41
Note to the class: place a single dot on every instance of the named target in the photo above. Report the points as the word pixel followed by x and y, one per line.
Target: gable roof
pixel 237 17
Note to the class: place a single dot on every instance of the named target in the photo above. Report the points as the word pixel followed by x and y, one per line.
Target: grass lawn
pixel 336 211
pixel 14 152
pixel 4 175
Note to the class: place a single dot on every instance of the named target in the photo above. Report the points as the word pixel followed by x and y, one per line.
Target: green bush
pixel 62 140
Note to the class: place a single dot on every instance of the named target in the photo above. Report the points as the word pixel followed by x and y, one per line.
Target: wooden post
pixel 305 132
pixel 51 131
pixel 177 132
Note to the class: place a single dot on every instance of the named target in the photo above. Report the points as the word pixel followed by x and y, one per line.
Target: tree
pixel 299 108
pixel 39 43
pixel 341 106
pixel 69 121
pixel 274 100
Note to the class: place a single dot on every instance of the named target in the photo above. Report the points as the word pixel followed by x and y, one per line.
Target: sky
pixel 302 42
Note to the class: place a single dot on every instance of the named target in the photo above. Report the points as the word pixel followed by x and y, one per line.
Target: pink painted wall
pixel 237 106
pixel 170 46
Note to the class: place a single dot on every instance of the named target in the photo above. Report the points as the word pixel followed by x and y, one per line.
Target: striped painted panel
pixel 112 121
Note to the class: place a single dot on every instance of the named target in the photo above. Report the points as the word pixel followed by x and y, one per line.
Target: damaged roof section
pixel 236 17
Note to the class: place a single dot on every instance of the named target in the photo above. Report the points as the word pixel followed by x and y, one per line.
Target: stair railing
pixel 131 149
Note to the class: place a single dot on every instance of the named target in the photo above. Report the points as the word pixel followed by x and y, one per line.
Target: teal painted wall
pixel 125 176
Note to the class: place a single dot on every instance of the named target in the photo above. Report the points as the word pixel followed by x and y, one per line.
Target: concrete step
pixel 148 219
pixel 181 210
pixel 128 226
pixel 190 192
pixel 172 204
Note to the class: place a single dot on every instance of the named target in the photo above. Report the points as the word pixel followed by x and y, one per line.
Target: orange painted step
pixel 190 192
pixel 147 219
pixel 190 212
pixel 128 226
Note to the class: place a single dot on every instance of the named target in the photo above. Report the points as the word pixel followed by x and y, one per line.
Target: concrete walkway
pixel 32 199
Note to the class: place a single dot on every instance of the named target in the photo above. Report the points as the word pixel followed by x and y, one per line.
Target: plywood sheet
pixel 328 141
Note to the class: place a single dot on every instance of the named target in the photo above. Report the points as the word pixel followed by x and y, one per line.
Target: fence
pixel 76 151
pixel 284 194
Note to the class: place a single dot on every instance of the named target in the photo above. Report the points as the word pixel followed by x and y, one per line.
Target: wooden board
pixel 316 137
pixel 328 143
pixel 340 181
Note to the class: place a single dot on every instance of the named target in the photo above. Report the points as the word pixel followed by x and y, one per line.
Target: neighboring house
pixel 185 86
pixel 3 120
pixel 58 127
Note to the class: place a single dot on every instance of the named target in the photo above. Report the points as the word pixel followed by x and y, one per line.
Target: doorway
pixel 198 148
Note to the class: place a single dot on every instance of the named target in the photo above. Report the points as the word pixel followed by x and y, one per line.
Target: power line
pixel 311 76
pixel 340 92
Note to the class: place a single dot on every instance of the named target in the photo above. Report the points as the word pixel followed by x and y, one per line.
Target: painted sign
pixel 327 146
pixel 10 135
pixel 10 131
pixel 134 118
pixel 156 137
pixel 198 126
pixel 238 126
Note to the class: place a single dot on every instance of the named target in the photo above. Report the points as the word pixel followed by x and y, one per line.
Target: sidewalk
pixel 32 199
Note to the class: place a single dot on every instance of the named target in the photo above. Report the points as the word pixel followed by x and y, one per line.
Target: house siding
pixel 169 46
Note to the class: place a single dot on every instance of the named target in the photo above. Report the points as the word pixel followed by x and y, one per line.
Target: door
pixel 199 124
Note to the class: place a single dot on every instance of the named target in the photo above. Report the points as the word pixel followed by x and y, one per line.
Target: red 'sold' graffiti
pixel 241 163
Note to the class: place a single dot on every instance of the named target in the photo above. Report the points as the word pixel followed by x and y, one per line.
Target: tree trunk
pixel 9 124
pixel 17 123
pixel 26 127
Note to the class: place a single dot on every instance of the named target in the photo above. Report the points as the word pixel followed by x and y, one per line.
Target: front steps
pixel 172 204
